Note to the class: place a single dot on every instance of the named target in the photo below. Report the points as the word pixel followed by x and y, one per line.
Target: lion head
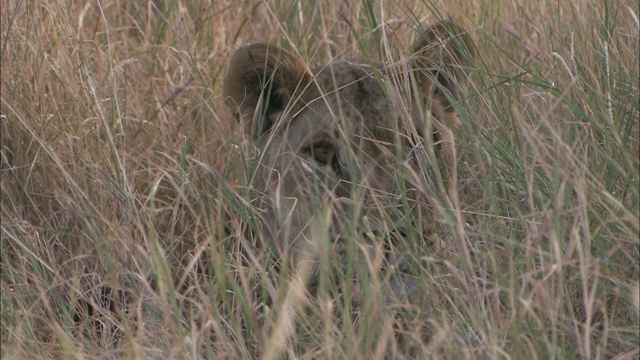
pixel 341 148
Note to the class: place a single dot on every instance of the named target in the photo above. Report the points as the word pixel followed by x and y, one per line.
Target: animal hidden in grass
pixel 349 155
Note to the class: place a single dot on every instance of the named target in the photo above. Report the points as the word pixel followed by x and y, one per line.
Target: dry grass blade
pixel 125 180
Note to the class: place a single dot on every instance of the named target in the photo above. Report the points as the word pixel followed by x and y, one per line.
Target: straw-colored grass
pixel 121 168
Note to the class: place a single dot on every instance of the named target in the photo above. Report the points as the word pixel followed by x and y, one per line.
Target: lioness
pixel 343 147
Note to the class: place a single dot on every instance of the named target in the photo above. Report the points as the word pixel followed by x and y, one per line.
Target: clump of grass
pixel 122 169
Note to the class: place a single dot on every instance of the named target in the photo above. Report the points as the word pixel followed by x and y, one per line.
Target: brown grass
pixel 120 167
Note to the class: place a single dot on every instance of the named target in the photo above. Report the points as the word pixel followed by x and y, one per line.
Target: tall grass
pixel 121 168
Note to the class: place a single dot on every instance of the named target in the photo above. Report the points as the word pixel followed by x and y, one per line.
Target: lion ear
pixel 441 52
pixel 260 81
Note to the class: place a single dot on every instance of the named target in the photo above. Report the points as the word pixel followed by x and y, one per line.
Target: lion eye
pixel 443 80
pixel 322 152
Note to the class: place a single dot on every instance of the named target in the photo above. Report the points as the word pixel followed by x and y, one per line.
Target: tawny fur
pixel 338 135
